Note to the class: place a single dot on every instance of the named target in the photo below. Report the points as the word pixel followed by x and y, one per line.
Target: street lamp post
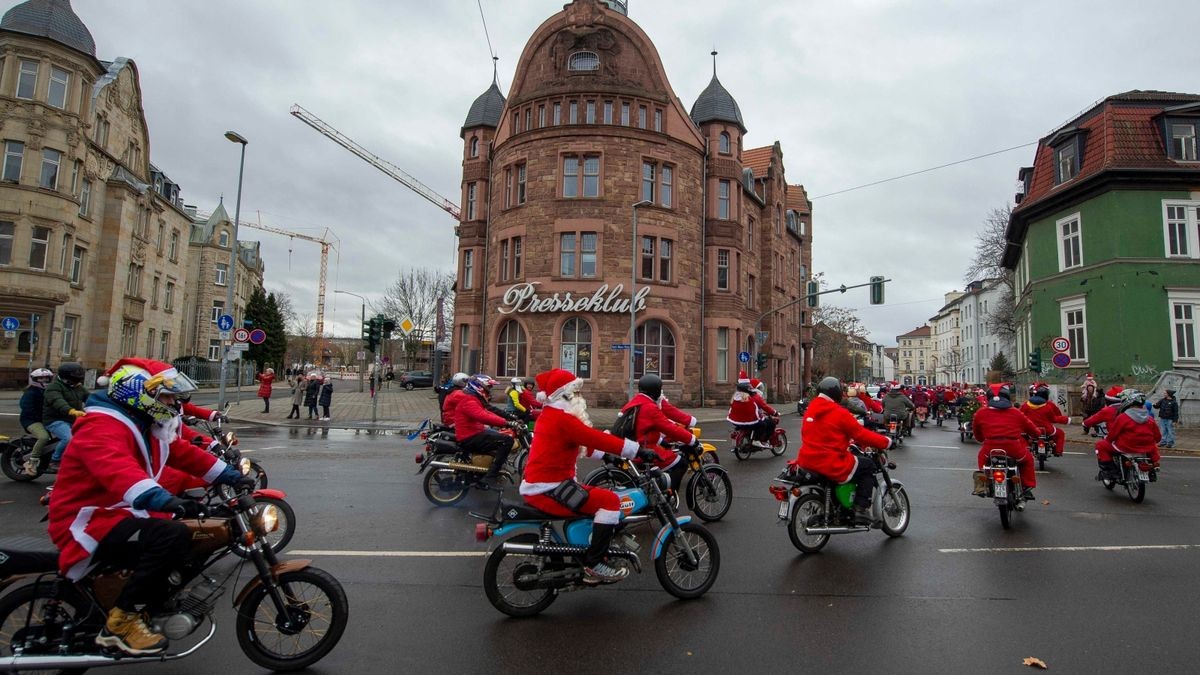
pixel 361 362
pixel 632 297
pixel 231 276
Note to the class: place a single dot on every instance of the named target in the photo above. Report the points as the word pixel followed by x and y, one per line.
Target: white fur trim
pixel 606 517
pixel 567 388
pixel 214 471
pixel 630 449
pixel 693 422
pixel 137 435
pixel 80 535
pixel 528 488
pixel 213 415
pixel 541 397
pixel 138 489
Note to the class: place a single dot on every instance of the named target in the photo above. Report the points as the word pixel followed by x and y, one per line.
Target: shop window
pixel 654 350
pixel 510 350
pixel 575 352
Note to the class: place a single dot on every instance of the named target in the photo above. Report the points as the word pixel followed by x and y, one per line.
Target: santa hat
pixel 554 384
pixel 743 378
pixel 166 370
pixel 1114 392
pixel 755 383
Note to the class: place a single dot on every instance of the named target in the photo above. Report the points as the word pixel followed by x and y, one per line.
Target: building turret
pixel 53 19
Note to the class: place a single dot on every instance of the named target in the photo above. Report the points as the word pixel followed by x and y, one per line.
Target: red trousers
pixel 1015 450
pixel 599 499
pixel 1104 452
pixel 1060 439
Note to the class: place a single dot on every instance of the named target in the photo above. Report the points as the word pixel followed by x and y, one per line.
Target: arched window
pixel 575 354
pixel 724 143
pixel 655 350
pixel 24 342
pixel 583 61
pixel 474 146
pixel 510 350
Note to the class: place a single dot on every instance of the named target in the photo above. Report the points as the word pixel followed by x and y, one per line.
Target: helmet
pixel 40 377
pixel 480 384
pixel 459 380
pixel 650 385
pixel 71 373
pixel 831 387
pixel 137 385
pixel 516 382
pixel 1133 399
pixel 1042 391
pixel 1005 392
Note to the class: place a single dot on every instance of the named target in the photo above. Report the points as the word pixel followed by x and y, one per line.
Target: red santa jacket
pixel 1132 431
pixel 450 405
pixel 1044 416
pixel 873 405
pixel 999 426
pixel 1104 415
pixel 556 447
pixel 111 463
pixel 653 425
pixel 529 400
pixel 675 414
pixel 827 431
pixel 470 417
pixel 264 387
pixel 748 408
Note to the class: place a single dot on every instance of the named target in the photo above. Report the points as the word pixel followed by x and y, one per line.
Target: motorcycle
pixel 964 431
pixel 226 447
pixel 451 472
pixel 289 615
pixel 1041 448
pixel 939 413
pixel 744 445
pixel 922 415
pixel 1000 482
pixel 815 507
pixel 895 429
pixel 14 452
pixel 709 491
pixel 1134 471
pixel 542 554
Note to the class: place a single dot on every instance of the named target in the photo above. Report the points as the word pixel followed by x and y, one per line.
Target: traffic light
pixel 370 333
pixel 814 288
pixel 876 290
pixel 761 361
pixel 388 326
pixel 1035 359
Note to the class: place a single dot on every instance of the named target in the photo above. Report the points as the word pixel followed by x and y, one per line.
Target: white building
pixel 945 341
pixel 979 344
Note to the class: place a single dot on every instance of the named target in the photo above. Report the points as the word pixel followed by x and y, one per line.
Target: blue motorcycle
pixel 542 554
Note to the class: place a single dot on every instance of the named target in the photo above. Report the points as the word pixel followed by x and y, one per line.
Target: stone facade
pixel 914 363
pixel 592 127
pixel 946 351
pixel 206 293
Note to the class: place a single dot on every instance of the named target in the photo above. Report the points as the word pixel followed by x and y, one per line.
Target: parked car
pixel 416 378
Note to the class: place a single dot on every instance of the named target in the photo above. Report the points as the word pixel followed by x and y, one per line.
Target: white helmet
pixel 459 380
pixel 516 382
pixel 40 377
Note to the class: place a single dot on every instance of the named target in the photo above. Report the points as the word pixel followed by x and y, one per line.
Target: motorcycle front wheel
pixel 678 575
pixel 317 606
pixel 47 609
pixel 259 475
pixel 809 509
pixel 896 511
pixel 710 492
pixel 742 450
pixel 500 584
pixel 444 487
pixel 780 447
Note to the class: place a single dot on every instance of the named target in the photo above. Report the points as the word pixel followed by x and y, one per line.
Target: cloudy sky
pixel 855 90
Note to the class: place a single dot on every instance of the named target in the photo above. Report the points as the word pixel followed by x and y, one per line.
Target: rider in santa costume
pixel 549 483
pixel 748 410
pixel 659 422
pixel 108 504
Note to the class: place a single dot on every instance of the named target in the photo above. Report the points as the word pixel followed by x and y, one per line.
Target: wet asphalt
pixel 916 603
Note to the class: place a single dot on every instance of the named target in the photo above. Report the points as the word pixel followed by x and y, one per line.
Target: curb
pixel 1166 452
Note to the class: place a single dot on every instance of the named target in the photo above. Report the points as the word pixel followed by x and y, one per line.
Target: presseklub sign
pixel 523 298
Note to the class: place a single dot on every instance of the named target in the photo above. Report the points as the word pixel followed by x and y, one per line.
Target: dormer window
pixel 1068 153
pixel 583 62
pixel 1182 137
pixel 223 240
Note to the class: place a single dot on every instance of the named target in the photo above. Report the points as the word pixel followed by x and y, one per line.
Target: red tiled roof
pixel 797 199
pixel 758 159
pixel 923 331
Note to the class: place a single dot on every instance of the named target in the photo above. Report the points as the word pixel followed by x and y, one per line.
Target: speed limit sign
pixel 1061 344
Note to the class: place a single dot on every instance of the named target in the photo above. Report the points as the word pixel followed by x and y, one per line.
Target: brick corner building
pixel 591 137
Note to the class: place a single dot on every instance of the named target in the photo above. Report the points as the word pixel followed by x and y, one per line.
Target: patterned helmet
pixel 480 384
pixel 137 385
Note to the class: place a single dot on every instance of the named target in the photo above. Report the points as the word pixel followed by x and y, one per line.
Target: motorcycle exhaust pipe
pixel 836 530
pixel 568 550
pixel 459 466
pixel 58 662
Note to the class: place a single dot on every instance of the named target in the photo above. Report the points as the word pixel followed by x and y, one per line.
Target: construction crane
pixel 405 179
pixel 326 244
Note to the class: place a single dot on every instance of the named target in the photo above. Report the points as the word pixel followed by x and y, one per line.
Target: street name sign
pixel 620 346
pixel 239 347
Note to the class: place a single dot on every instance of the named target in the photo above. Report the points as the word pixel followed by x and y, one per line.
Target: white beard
pixel 168 431
pixel 577 407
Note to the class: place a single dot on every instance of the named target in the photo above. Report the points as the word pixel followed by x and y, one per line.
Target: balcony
pixel 135 309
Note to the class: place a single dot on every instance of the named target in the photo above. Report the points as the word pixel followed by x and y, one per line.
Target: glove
pixel 234 478
pixel 76 413
pixel 516 425
pixel 609 459
pixel 221 417
pixel 647 456
pixel 184 508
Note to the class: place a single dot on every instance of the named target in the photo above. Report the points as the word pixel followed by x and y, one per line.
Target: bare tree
pixel 302 340
pixel 835 329
pixel 990 245
pixel 286 308
pixel 414 295
pixel 950 363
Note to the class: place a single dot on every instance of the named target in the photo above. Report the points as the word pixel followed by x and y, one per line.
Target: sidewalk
pixel 1187 439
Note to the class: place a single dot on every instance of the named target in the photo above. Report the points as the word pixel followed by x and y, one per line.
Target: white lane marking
pixel 275 447
pixel 941 447
pixel 394 554
pixel 1072 549
pixel 10 414
pixel 940 468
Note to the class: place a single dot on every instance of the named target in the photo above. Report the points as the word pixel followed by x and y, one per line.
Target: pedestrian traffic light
pixel 814 288
pixel 876 290
pixel 761 361
pixel 1035 359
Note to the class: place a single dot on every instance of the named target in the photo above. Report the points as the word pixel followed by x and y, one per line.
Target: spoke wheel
pixel 500 580
pixel 317 612
pixel 12 463
pixel 1136 489
pixel 51 609
pixel 779 443
pixel 896 512
pixel 679 576
pixel 808 510
pixel 444 487
pixel 710 492
pixel 742 450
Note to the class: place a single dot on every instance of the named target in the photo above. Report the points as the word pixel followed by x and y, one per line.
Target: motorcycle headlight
pixel 270 518
pixel 228 438
pixel 244 467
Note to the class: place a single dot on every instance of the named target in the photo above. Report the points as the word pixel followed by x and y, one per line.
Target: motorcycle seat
pixel 26 555
pixel 442 445
pixel 800 476
pixel 510 511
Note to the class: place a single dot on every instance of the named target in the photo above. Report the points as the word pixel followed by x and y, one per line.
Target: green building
pixel 1104 242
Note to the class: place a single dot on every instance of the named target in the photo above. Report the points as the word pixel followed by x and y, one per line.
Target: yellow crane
pixel 327 240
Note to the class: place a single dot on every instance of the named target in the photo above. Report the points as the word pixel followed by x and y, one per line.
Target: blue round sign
pixel 11 323
pixel 744 357
pixel 225 322
pixel 1061 360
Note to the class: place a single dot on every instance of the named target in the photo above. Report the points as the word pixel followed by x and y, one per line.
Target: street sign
pixel 258 336
pixel 11 323
pixel 406 326
pixel 619 346
pixel 241 335
pixel 362 356
pixel 762 337
pixel 744 357
pixel 239 347
pixel 225 322
pixel 1061 344
pixel 10 334
pixel 1061 360
pixel 225 335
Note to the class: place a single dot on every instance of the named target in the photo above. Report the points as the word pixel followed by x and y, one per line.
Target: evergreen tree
pixel 256 317
pixel 275 325
pixel 1001 367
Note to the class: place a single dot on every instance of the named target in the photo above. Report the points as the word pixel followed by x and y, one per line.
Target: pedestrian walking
pixel 62 404
pixel 32 402
pixel 265 380
pixel 326 398
pixel 298 387
pixel 1168 414
pixel 311 391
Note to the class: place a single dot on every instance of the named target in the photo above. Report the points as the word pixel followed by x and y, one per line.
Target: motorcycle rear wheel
pixel 809 508
pixel 742 451
pixel 444 487
pixel 1136 489
pixel 679 577
pixel 15 606
pixel 310 593
pixel 897 499
pixel 12 462
pixel 1006 515
pixel 1041 463
pixel 710 493
pixel 781 447
pixel 499 581
pixel 609 478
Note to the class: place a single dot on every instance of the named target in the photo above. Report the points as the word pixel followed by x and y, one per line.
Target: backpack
pixel 625 425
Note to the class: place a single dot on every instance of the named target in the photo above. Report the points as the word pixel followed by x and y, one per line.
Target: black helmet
pixel 650 385
pixel 1005 392
pixel 1042 392
pixel 71 372
pixel 831 387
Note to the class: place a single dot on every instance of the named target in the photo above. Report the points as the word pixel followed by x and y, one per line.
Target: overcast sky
pixel 855 90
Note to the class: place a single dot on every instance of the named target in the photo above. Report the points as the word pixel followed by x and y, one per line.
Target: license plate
pixel 1001 490
pixel 1143 476
pixel 783 509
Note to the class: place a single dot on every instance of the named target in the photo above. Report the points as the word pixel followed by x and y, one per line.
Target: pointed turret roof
pixel 52 19
pixel 219 215
pixel 715 103
pixel 487 109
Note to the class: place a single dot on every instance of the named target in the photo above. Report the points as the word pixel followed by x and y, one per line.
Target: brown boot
pixel 980 484
pixel 128 632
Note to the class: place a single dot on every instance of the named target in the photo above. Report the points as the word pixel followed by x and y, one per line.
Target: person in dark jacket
pixel 62 405
pixel 32 402
pixel 326 397
pixel 1168 414
pixel 311 392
